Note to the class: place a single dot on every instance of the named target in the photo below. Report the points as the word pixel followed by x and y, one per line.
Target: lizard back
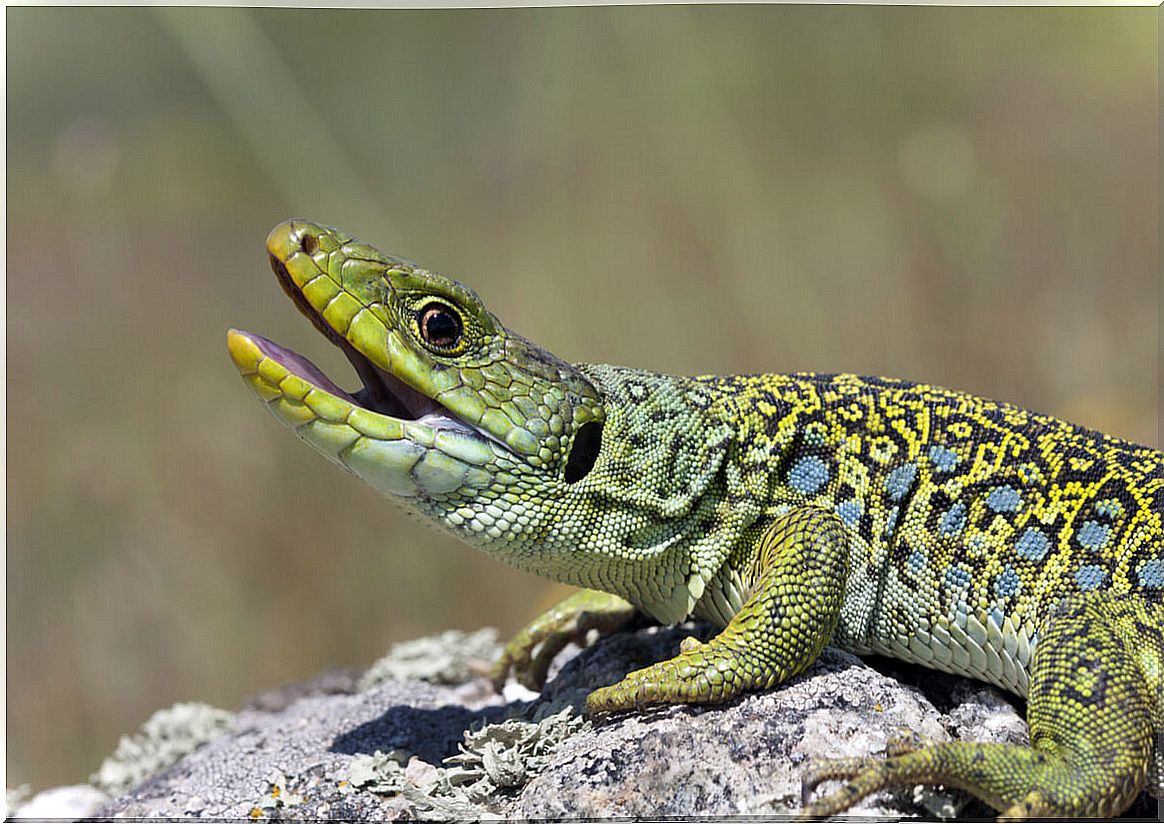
pixel 968 516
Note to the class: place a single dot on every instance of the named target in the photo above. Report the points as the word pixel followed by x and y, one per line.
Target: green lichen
pixel 493 762
pixel 450 658
pixel 164 739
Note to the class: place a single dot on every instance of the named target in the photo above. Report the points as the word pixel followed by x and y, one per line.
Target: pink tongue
pixel 300 366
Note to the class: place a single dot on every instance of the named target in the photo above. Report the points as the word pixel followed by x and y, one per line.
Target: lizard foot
pixel 1021 782
pixel 699 674
pixel 863 776
pixel 528 654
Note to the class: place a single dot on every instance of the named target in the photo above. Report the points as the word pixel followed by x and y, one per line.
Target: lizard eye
pixel 440 326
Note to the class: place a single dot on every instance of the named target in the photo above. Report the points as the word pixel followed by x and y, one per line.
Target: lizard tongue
pixel 300 365
pixel 381 393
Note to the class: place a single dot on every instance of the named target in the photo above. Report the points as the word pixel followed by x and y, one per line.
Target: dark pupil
pixel 440 326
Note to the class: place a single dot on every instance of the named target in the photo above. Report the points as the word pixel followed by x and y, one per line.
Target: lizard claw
pixel 529 654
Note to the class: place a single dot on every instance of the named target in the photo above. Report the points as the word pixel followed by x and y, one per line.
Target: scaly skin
pixel 793 511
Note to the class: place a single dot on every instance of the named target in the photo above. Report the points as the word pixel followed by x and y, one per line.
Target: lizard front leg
pixel 529 653
pixel 798 583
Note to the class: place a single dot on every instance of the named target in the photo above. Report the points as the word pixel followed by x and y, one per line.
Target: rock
pixel 742 758
pixel 452 657
pixel 335 681
pixel 72 803
pixel 165 738
pixel 300 757
pixel 409 749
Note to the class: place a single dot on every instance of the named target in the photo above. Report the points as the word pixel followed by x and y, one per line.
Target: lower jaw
pixel 434 457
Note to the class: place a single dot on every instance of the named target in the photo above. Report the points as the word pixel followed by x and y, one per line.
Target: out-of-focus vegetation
pixel 962 196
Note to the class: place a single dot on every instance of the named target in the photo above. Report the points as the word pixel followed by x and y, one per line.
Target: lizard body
pixel 793 511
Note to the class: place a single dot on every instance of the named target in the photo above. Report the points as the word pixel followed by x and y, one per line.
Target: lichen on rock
pixel 495 760
pixel 449 658
pixel 162 741
pixel 426 751
pixel 14 797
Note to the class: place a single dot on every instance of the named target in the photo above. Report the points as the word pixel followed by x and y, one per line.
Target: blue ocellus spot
pixel 997 617
pixel 1007 583
pixel 1032 544
pixel 916 561
pixel 957 578
pixel 1004 499
pixel 1090 577
pixel 808 475
pixel 1151 573
pixel 891 520
pixel 900 480
pixel 850 512
pixel 942 458
pixel 1093 535
pixel 954 520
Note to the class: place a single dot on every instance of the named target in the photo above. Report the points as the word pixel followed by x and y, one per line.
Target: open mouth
pixel 382 392
pixel 277 371
pixel 394 436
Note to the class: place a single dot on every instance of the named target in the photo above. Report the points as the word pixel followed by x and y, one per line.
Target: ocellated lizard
pixel 793 511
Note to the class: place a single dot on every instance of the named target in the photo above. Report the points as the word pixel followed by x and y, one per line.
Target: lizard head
pixel 588 474
pixel 450 398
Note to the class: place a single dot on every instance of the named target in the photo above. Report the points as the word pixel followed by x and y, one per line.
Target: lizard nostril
pixel 309 244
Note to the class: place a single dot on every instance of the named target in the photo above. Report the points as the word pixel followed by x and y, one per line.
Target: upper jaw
pixel 382 392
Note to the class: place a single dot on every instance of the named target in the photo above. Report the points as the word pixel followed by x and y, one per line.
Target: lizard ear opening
pixel 584 451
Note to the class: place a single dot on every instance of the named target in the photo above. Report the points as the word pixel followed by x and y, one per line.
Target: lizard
pixel 791 511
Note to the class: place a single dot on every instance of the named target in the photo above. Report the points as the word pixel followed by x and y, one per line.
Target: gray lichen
pixel 509 754
pixel 163 740
pixel 277 798
pixel 492 760
pixel 449 658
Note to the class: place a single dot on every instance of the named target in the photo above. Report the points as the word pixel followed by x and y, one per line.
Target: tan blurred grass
pixel 962 196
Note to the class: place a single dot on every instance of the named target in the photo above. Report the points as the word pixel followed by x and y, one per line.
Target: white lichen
pixel 162 741
pixel 277 797
pixel 452 657
pixel 492 760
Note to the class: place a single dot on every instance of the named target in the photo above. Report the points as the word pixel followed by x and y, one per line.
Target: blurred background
pixel 961 196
